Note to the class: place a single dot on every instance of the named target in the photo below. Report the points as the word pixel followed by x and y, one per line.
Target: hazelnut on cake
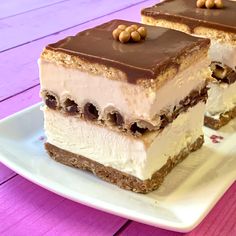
pixel 125 101
pixel 209 19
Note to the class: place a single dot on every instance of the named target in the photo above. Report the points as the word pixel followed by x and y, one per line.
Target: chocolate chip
pixel 223 73
pixel 71 107
pixel 219 72
pixel 51 101
pixel 203 92
pixel 185 102
pixel 175 114
pixel 116 118
pixel 164 121
pixel 230 78
pixel 137 130
pixel 193 102
pixel 90 111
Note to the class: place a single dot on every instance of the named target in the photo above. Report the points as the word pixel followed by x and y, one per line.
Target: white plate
pixel 187 195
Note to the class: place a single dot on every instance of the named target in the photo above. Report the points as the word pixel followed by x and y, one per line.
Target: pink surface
pixel 19 102
pixel 11 8
pixel 47 20
pixel 25 209
pixel 5 173
pixel 220 221
pixel 25 69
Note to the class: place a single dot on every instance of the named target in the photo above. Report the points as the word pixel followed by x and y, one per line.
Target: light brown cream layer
pixel 75 62
pixel 133 102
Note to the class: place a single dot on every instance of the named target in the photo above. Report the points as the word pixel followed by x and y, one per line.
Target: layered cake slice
pixel 209 19
pixel 125 101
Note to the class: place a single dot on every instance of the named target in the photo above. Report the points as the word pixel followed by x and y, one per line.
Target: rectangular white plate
pixel 187 195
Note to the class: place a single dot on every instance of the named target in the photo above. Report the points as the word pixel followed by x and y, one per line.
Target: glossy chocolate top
pixel 160 50
pixel 186 12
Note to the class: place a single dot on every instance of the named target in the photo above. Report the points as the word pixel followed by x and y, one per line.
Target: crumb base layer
pixel 117 177
pixel 223 119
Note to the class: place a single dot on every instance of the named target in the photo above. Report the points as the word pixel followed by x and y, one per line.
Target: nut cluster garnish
pixel 131 33
pixel 210 4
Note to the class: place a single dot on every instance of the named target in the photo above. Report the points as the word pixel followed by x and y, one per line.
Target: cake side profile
pixel 128 112
pixel 123 71
pixel 219 25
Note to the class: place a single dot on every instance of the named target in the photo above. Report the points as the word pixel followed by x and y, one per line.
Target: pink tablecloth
pixel 26 26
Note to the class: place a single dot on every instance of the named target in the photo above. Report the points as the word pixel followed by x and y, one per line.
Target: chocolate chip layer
pixel 115 120
pixel 136 130
pixel 223 73
pixel 90 112
pixel 190 101
pixel 144 60
pixel 51 100
pixel 71 107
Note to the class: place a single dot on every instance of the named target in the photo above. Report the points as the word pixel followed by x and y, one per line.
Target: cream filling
pixel 221 52
pixel 132 101
pixel 224 53
pixel 140 157
pixel 222 98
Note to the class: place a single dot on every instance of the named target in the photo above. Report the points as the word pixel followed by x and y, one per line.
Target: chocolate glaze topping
pixel 146 59
pixel 186 12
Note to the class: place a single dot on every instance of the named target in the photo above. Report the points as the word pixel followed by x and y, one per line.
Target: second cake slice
pixel 217 22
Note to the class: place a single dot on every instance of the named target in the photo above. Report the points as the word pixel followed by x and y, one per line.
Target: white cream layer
pixel 140 157
pixel 224 53
pixel 222 98
pixel 131 100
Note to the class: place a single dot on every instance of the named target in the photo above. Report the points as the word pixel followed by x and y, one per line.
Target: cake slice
pixel 126 111
pixel 219 24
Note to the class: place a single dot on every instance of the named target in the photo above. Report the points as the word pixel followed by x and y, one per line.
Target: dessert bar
pixel 125 101
pixel 217 22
